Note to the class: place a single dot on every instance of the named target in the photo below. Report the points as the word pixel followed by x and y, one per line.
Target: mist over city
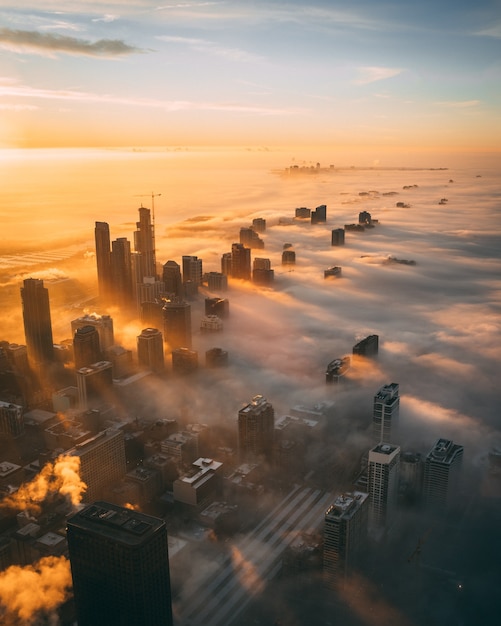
pixel 250 295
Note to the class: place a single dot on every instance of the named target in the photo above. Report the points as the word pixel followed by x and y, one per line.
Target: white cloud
pixel 371 74
pixel 459 104
pixel 210 47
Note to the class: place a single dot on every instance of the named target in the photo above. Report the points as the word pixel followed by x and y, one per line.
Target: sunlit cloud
pixel 371 74
pixel 459 104
pixel 106 18
pixel 46 44
pixel 210 47
pixel 10 88
pixel 492 31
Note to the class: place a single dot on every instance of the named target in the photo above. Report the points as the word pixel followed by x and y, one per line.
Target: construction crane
pixel 152 196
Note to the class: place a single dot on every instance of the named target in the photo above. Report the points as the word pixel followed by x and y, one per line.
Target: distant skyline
pixel 397 75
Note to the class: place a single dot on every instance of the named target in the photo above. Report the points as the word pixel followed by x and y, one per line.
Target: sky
pixel 398 74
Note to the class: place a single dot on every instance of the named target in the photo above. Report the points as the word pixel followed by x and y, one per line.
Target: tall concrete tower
pixel 120 567
pixel 37 321
pixel 150 349
pixel 384 469
pixel 171 277
pixel 385 414
pixel 144 244
pixel 345 534
pixel 86 346
pixel 177 324
pixel 441 473
pixel 256 425
pixel 121 270
pixel 103 260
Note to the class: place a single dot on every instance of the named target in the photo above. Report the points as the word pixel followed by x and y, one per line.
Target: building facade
pixel 150 350
pixel 384 471
pixel 441 473
pixel 385 414
pixel 37 321
pixel 120 567
pixel 256 425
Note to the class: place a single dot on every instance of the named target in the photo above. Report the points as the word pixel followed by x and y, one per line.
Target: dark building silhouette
pixel 37 321
pixel 120 567
pixel 259 224
pixel 103 324
pixel 345 535
pixel 95 384
pixel 365 218
pixel 121 271
pixel 184 361
pixel 152 314
pixel 256 425
pixel 171 277
pixel 150 349
pixel 177 324
pixel 217 306
pixel 385 414
pixel 337 237
pixel 250 239
pixel 217 281
pixel 103 260
pixel 240 262
pixel 303 212
pixel 319 215
pixel 216 357
pixel 441 473
pixel 262 274
pixel 86 346
pixel 367 347
pixel 288 257
pixel 144 245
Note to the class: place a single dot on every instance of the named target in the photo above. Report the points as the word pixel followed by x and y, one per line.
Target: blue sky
pixel 106 73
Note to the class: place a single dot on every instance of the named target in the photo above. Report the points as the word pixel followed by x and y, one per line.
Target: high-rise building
pixel 149 290
pixel 367 347
pixel 150 349
pixel 384 466
pixel 103 260
pixel 345 534
pixel 86 346
pixel 319 215
pixel 256 425
pixel 177 324
pixel 216 357
pixel 259 224
pixel 171 277
pixel 337 237
pixel 37 321
pixel 240 261
pixel 152 314
pixel 262 274
pixel 184 361
pixel 288 257
pixel 441 473
pixel 102 462
pixel 144 244
pixel 192 269
pixel 120 567
pixel 11 420
pixel 385 414
pixel 95 384
pixel 103 324
pixel 250 238
pixel 121 271
pixel 217 281
pixel 217 306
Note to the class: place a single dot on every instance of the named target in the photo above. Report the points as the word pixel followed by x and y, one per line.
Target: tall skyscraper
pixel 441 473
pixel 144 244
pixel 367 347
pixel 102 462
pixel 171 277
pixel 240 261
pixel 103 259
pixel 345 534
pixel 385 414
pixel 120 567
pixel 177 324
pixel 11 420
pixel 95 385
pixel 121 271
pixel 384 465
pixel 86 346
pixel 192 269
pixel 103 324
pixel 256 425
pixel 319 215
pixel 150 349
pixel 337 237
pixel 37 322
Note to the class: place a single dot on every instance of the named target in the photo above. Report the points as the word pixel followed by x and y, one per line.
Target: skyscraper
pixel 192 269
pixel 86 346
pixel 95 384
pixel 240 261
pixel 144 244
pixel 256 425
pixel 384 465
pixel 345 533
pixel 367 347
pixel 171 277
pixel 385 414
pixel 103 324
pixel 337 237
pixel 441 473
pixel 121 271
pixel 177 324
pixel 103 259
pixel 37 322
pixel 120 567
pixel 150 349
